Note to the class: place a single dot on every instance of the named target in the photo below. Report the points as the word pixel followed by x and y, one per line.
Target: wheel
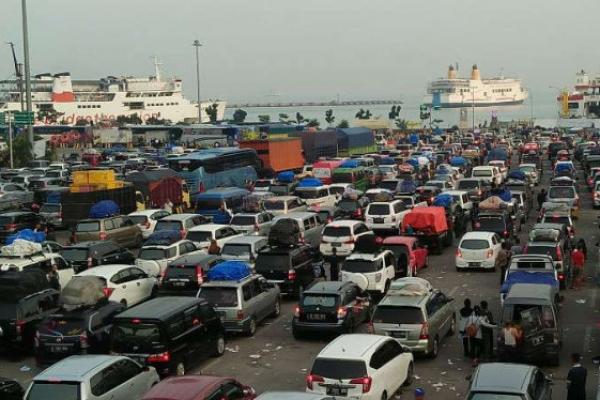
pixel 435 348
pixel 277 310
pixel 296 334
pixel 410 375
pixel 387 286
pixel 251 327
pixel 154 291
pixel 452 329
pixel 384 396
pixel 180 368
pixel 124 303
pixel 219 346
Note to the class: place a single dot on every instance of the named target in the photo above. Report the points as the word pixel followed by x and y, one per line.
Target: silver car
pixel 242 304
pixel 244 248
pixel 12 193
pixel 257 223
pixel 89 377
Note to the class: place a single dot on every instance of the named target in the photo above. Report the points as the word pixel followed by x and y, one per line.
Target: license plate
pixel 474 264
pixel 336 245
pixel 378 220
pixel 337 391
pixel 316 317
pixel 398 334
pixel 58 349
pixel 179 284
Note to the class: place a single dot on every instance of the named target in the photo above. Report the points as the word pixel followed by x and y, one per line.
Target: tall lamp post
pixel 197 45
pixel 27 69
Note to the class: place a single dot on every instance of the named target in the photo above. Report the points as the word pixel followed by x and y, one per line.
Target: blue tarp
pixel 497 154
pixel 163 238
pixel 229 271
pixel 539 277
pixel 503 193
pixel 414 138
pixel 310 182
pixel 221 217
pixel 27 234
pixel 53 198
pixel 413 161
pixel 103 209
pixel 563 167
pixel 458 162
pixel 443 170
pixel 442 200
pixel 387 161
pixel 518 175
pixel 286 177
pixel 349 164
pixel 407 187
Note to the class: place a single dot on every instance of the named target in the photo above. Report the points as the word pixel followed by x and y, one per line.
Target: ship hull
pixel 478 104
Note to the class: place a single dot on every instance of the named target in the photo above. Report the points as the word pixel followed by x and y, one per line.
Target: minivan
pixel 120 229
pixel 209 202
pixel 309 224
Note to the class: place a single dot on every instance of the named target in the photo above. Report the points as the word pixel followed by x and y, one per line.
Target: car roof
pixel 404 300
pixel 477 235
pixel 145 212
pixel 529 293
pixel 455 192
pixel 246 239
pixel 366 256
pixel 75 368
pixel 179 217
pixel 187 387
pixel 343 222
pixel 406 240
pixel 105 271
pixel 89 243
pixel 193 258
pixel 502 377
pixel 207 227
pixel 282 198
pixel 352 346
pixel 229 283
pixel 159 308
pixel 293 396
pixel 328 287
pixel 295 215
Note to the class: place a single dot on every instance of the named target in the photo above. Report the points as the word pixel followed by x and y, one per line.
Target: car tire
pixel 154 292
pixel 384 395
pixel 435 348
pixel 180 368
pixel 251 331
pixel 410 375
pixel 123 303
pixel 219 346
pixel 296 334
pixel 277 310
pixel 452 329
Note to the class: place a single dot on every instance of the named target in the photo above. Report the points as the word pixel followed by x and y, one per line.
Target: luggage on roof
pixel 429 220
pixel 83 291
pixel 367 243
pixel 229 271
pixel 309 182
pixel 21 248
pixel 517 175
pixel 349 164
pixel 407 187
pixel 493 203
pixel 27 234
pixel 286 177
pixel 103 209
pixel 442 200
pixel 458 162
pixel 163 238
pixel 285 232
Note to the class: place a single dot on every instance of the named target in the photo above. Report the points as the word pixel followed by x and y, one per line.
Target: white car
pixel 319 195
pixel 478 250
pixel 388 171
pixel 371 272
pixel 341 236
pixel 147 220
pixel 202 235
pixel 385 216
pixel 252 223
pixel 501 165
pixel 154 259
pixel 487 173
pixel 531 171
pixel 125 284
pixel 461 197
pixel 284 205
pixel 360 366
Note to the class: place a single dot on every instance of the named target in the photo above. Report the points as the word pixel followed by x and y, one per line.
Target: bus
pixel 218 167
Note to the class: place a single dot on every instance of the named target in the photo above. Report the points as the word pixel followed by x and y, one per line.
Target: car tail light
pixel 351 241
pixel 102 236
pixel 108 291
pixel 160 358
pixel 490 253
pixel 458 253
pixel 240 315
pixel 365 382
pixel 36 339
pixel 11 227
pixel 312 379
pixel 424 331
pixel 370 327
pixel 342 312
pixel 89 262
pixel 357 213
pixel 505 234
pixel 147 225
pixel 199 275
pixel 297 312
pixel 256 228
pixel 479 193
pixel 183 233
pixel 329 220
pixel 559 255
pixel 20 327
pixel 561 277
pixel 83 340
pixel 291 275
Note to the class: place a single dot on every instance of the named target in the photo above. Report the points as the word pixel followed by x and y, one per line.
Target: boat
pixel 580 108
pixel 56 98
pixel 454 92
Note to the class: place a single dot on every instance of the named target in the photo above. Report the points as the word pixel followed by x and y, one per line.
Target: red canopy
pixel 426 219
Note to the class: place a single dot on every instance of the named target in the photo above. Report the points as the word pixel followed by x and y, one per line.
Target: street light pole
pixel 197 45
pixel 27 69
pixel 473 108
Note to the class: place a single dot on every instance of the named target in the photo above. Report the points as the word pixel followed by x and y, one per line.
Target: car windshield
pixel 50 208
pixel 199 236
pixel 138 219
pixel 561 192
pixel 482 172
pixel 494 396
pixel 337 190
pixel 307 194
pixel 389 185
pixel 74 254
pixel 167 225
pixel 337 231
pixel 547 250
pixel 491 224
pixel 91 226
pixel 474 244
pixel 398 315
pixel 209 204
pixel 135 332
pixel 280 189
pixel 243 220
pixel 320 300
pixel 153 254
pixel 379 209
pixel 358 265
pixel 527 168
pixel 42 390
pixel 274 205
pixel 343 177
pixel 267 261
pixel 262 184
pixel 236 250
pixel 557 219
pixel 348 205
pixel 219 296
pixel 468 184
pixel 335 368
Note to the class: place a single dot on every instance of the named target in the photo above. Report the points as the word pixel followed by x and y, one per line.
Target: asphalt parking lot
pixel 274 360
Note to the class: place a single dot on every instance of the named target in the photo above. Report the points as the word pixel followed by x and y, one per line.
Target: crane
pixel 18 73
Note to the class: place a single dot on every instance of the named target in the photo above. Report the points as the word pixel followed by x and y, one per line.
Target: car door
pixel 249 304
pixel 135 382
pixel 121 288
pixel 65 271
pixel 232 391
pixel 140 283
pixel 390 265
pixel 263 300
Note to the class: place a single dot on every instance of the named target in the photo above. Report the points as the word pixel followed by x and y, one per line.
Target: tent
pixel 103 209
pixel 229 271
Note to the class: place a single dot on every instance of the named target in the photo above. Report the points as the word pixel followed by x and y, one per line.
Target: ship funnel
pixel 475 75
pixel 451 72
pixel 62 88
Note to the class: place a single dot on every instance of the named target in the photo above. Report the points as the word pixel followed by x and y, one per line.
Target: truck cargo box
pixel 318 144
pixel 278 154
pixel 76 206
pixel 158 186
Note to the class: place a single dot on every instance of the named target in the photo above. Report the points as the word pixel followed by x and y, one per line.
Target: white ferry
pixel 59 99
pixel 454 92
pixel 581 107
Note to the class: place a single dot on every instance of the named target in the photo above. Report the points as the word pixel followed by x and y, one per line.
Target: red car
pixel 200 387
pixel 410 255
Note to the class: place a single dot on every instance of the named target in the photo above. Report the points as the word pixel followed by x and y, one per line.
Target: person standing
pixel 509 334
pixel 487 331
pixel 474 332
pixel 578 262
pixel 502 260
pixel 576 379
pixel 465 313
pixel 541 198
pixel 334 269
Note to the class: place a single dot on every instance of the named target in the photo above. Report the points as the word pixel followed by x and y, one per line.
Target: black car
pixel 86 255
pixel 184 275
pixel 293 268
pixel 496 222
pixel 351 208
pixel 169 333
pixel 10 389
pixel 83 330
pixel 331 308
pixel 12 222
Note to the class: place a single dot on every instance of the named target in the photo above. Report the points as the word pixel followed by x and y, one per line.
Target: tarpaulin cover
pixel 538 277
pixel 443 170
pixel 492 203
pixel 27 234
pixel 349 138
pixel 317 144
pixel 387 161
pixel 285 232
pixel 557 208
pixel 309 182
pixel 53 197
pixel 14 285
pixel 349 164
pixel 518 175
pixel 414 138
pixel 229 271
pixel 83 291
pixel 221 217
pixel 413 162
pixel 407 187
pixel 286 177
pixel 163 238
pixel 103 209
pixel 20 248
pixel 563 167
pixel 458 162
pixel 442 200
pixel 497 154
pixel 426 219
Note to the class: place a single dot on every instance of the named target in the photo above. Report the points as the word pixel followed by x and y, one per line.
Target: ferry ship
pixel 59 99
pixel 581 107
pixel 452 92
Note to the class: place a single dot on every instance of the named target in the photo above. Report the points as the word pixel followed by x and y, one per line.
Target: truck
pixel 155 188
pixel 281 154
pixel 430 225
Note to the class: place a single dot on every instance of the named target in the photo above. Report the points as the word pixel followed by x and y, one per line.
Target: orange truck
pixel 281 154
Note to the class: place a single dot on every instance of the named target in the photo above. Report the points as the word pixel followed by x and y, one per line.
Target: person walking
pixel 502 261
pixel 473 330
pixel 465 313
pixel 334 269
pixel 576 379
pixel 581 246
pixel 541 198
pixel 578 262
pixel 487 331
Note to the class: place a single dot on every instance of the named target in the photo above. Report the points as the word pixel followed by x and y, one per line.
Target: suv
pixel 154 258
pixel 516 381
pixel 202 235
pixel 331 307
pixel 284 205
pixel 292 268
pixel 242 304
pixel 43 261
pixel 180 222
pixel 52 214
pixel 90 254
pixel 309 225
pixel 350 208
pixel 244 248
pixel 385 216
pixel 476 189
pixel 12 222
pixel 185 275
pixel 373 272
pixel 147 219
pixel 419 319
pixel 257 222
pixel 340 236
pixel 169 333
pixel 495 222
pixel 556 250
pixel 93 377
pixel 120 229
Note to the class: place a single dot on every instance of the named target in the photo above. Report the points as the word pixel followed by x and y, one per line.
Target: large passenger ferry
pixel 453 91
pixel 59 99
pixel 580 107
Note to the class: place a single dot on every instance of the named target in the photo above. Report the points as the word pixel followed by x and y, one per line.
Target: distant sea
pixel 545 113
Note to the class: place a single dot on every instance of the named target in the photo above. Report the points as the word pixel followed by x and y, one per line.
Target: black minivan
pixel 169 333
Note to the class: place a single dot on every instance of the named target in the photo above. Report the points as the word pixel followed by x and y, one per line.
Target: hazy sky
pixel 309 49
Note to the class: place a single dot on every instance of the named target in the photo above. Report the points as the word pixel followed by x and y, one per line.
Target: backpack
pixel 472 330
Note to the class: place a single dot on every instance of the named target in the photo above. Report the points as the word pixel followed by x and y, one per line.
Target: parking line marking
pixel 451 293
pixel 586 339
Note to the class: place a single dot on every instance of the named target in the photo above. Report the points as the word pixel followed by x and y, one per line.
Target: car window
pixel 247 291
pixel 389 259
pixel 360 228
pixel 216 395
pixel 232 391
pixel 118 222
pixel 108 224
pixel 60 263
pixel 189 246
pixel 105 380
pixel 127 369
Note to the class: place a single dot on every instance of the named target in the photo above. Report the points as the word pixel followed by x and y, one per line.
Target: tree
pixel 239 116
pixel 363 114
pixel 343 124
pixel 211 111
pixel 394 112
pixel 157 121
pixel 21 152
pixel 284 118
pixel 313 123
pixel 265 119
pixel 300 118
pixel 401 124
pixel 329 117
